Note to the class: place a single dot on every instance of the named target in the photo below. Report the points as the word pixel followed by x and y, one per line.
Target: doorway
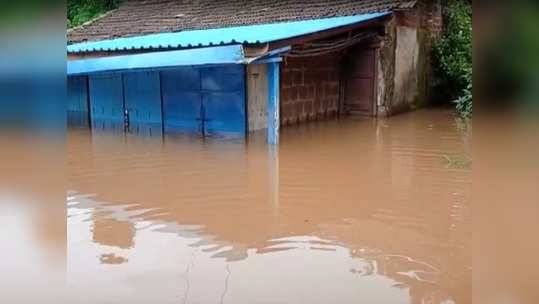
pixel 359 82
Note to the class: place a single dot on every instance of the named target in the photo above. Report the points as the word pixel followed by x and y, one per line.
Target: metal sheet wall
pixel 224 100
pixel 208 101
pixel 77 101
pixel 106 101
pixel 142 102
pixel 77 94
pixel 182 108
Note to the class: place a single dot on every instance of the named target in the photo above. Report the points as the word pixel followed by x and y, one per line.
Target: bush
pixel 452 56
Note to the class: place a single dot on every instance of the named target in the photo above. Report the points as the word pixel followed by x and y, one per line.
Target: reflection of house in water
pixel 112 258
pixel 391 259
pixel 111 232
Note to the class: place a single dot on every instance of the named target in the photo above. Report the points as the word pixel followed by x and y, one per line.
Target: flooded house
pixel 360 210
pixel 228 68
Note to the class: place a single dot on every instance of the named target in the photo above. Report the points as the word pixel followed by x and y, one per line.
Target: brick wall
pixel 427 15
pixel 309 88
pixel 431 16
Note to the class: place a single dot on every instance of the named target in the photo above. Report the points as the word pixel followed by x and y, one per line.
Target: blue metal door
pixel 77 101
pixel 204 101
pixel 224 100
pixel 182 100
pixel 106 101
pixel 143 102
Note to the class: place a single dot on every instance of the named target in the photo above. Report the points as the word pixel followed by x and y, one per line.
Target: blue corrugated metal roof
pixel 250 34
pixel 231 54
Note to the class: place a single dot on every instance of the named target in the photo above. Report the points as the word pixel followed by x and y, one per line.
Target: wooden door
pixel 359 95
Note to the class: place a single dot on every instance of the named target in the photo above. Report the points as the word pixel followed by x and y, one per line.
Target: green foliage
pixel 452 55
pixel 80 11
pixel 464 101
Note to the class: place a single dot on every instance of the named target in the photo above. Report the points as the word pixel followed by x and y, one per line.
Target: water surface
pixel 344 211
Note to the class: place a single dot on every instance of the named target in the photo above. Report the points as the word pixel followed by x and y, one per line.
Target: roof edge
pixel 233 54
pixel 221 36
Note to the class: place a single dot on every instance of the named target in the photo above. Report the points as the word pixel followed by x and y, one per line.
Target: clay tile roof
pixel 139 17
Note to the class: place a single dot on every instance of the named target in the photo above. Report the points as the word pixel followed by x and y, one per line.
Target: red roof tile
pixel 138 17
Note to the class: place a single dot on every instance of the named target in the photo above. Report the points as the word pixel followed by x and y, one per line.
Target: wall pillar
pixel 273 103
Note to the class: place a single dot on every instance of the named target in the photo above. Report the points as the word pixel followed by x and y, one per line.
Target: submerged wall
pixel 202 101
pixel 406 90
pixel 309 88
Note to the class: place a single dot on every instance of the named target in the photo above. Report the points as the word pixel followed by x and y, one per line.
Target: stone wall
pixel 309 88
pixel 405 61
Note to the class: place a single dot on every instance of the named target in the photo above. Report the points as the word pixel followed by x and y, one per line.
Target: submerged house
pixel 232 67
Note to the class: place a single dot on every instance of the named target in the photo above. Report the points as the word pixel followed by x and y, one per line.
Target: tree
pixel 80 11
pixel 452 55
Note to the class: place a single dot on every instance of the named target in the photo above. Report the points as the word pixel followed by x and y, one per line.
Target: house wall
pixel 208 101
pixel 309 88
pixel 404 68
pixel 257 96
pixel 406 89
pixel 77 101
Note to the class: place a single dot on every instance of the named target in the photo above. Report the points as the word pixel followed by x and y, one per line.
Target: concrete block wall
pixel 309 88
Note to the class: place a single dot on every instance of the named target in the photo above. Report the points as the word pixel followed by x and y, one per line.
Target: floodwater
pixel 343 211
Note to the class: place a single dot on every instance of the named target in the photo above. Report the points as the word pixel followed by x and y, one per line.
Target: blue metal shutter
pixel 224 100
pixel 181 100
pixel 106 101
pixel 77 101
pixel 143 102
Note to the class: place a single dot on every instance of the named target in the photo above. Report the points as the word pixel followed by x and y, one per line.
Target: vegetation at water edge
pixel 452 54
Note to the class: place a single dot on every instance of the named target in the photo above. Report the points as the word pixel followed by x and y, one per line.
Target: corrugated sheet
pixel 231 54
pixel 250 34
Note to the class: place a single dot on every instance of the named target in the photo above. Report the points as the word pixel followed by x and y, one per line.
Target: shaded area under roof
pixel 249 34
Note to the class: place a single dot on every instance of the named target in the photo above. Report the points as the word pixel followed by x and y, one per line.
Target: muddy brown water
pixel 343 211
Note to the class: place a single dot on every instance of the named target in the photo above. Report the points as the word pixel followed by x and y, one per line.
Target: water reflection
pixel 342 211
